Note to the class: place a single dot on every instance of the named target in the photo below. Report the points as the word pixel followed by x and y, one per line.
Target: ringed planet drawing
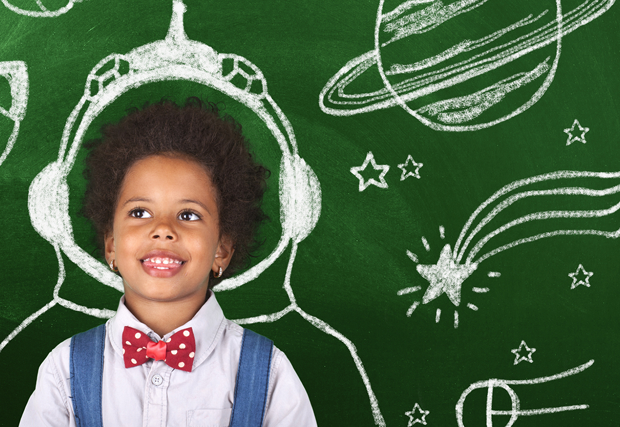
pixel 451 66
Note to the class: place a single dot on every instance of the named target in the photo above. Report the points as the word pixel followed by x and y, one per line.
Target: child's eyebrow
pixel 137 199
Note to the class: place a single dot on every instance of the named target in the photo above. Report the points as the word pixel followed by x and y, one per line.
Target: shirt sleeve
pixel 288 403
pixel 48 405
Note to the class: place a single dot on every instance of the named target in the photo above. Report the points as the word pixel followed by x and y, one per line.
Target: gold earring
pixel 219 274
pixel 114 269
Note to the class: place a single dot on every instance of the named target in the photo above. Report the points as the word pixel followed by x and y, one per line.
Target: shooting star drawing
pixel 456 265
pixel 16 74
pixel 458 65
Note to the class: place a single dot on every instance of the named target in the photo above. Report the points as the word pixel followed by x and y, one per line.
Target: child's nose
pixel 163 230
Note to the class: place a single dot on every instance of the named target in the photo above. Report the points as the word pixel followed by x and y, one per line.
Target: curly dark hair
pixel 197 132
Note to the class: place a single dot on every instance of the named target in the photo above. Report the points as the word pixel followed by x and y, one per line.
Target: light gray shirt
pixel 154 394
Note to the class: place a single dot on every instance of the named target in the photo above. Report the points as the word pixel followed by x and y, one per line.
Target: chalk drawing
pixel 43 11
pixel 495 56
pixel 416 415
pixel 519 351
pixel 407 172
pixel 179 58
pixel 440 282
pixel 576 133
pixel 16 74
pixel 456 265
pixel 370 158
pixel 579 279
pixel 516 411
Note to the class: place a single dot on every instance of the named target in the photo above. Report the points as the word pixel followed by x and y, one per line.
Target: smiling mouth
pixel 162 263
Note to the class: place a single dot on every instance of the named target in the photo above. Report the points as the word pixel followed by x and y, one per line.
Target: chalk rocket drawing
pixel 407 168
pixel 474 73
pixel 518 352
pixel 370 158
pixel 43 11
pixel 580 277
pixel 456 265
pixel 16 73
pixel 515 410
pixel 178 58
pixel 417 415
pixel 576 133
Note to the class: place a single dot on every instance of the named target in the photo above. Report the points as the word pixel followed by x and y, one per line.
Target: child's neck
pixel 164 317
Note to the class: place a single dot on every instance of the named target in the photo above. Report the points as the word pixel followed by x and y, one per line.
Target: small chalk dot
pixel 181 364
pixel 182 346
pixel 186 333
pixel 134 361
pixel 191 355
pixel 138 335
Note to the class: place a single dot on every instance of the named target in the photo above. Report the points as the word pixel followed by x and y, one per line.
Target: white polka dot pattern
pixel 177 351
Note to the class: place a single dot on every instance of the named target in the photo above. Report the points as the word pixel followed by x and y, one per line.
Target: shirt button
pixel 157 379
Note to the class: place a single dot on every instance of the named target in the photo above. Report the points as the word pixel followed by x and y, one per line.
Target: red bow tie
pixel 178 350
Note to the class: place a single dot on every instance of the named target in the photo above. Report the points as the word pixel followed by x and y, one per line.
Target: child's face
pixel 165 237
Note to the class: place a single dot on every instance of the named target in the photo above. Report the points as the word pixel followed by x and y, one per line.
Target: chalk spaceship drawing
pixel 448 275
pixel 43 11
pixel 178 58
pixel 515 410
pixel 458 66
pixel 16 74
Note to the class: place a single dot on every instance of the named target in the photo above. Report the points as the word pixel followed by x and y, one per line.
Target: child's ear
pixel 223 255
pixel 108 240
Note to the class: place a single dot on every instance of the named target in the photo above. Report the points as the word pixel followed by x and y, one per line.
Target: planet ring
pixel 334 99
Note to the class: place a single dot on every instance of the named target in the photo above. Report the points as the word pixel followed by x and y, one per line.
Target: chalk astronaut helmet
pixel 174 58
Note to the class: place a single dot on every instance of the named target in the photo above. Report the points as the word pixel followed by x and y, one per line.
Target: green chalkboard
pixel 445 183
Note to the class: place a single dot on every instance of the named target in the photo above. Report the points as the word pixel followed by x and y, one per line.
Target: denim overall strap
pixel 252 381
pixel 86 372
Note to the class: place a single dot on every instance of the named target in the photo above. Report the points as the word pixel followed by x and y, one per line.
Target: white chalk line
pixel 425 243
pixel 44 13
pixel 409 290
pixel 542 216
pixel 517 184
pixel 566 191
pixel 480 290
pixel 438 315
pixel 413 257
pixel 412 308
pixel 456 319
pixel 472 306
pixel 102 313
pixel 540 411
pixel 16 73
pixel 516 409
pixel 494 274
pixel 442 232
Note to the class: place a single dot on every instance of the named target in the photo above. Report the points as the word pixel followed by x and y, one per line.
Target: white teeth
pixel 164 261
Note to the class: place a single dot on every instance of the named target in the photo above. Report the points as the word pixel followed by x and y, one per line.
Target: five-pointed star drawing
pixel 414 165
pixel 413 418
pixel 517 353
pixel 576 277
pixel 445 277
pixel 363 183
pixel 581 133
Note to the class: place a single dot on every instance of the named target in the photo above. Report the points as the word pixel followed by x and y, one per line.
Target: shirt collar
pixel 207 324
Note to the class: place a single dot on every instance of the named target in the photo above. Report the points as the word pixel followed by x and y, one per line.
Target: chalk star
pixel 445 277
pixel 577 281
pixel 406 174
pixel 413 418
pixel 571 130
pixel 364 184
pixel 517 353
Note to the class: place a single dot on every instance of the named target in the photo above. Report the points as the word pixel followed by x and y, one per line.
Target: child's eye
pixel 139 213
pixel 188 216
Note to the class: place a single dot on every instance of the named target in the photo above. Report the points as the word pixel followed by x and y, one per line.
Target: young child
pixel 174 195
